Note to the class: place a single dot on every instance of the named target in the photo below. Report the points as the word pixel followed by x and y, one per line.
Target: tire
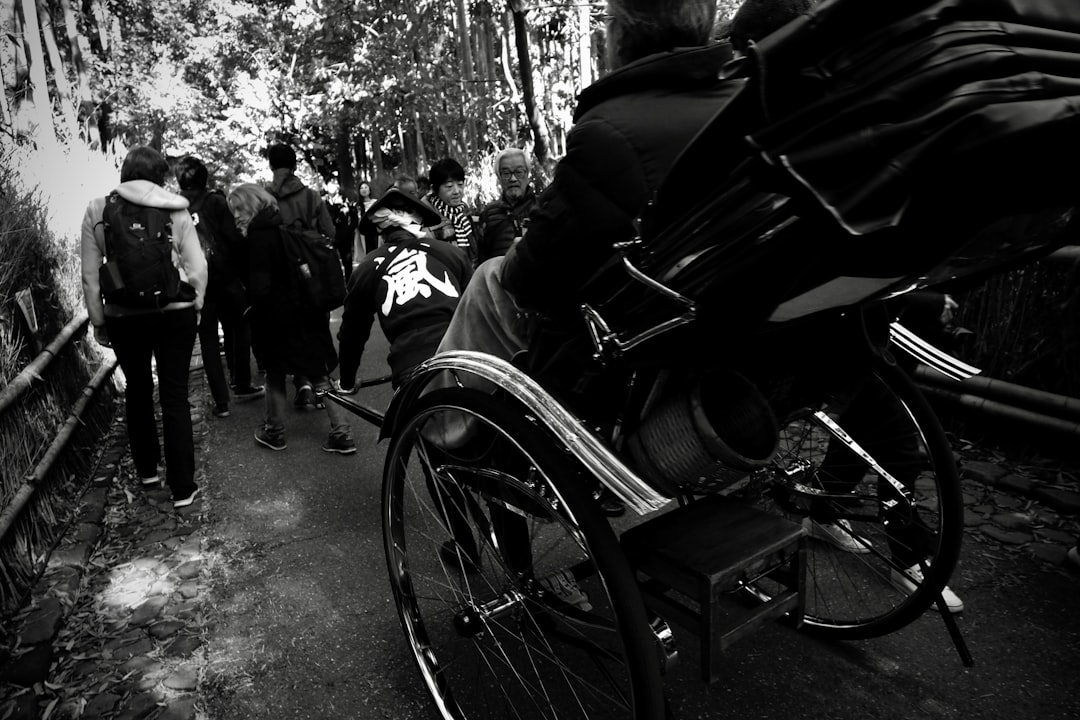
pixel 852 595
pixel 475 539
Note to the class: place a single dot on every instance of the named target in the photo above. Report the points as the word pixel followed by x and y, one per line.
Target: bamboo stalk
pixel 32 372
pixel 59 443
pixel 997 409
pixel 1051 404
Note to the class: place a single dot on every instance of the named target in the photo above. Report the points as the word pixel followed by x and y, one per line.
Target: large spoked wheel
pixel 872 479
pixel 513 593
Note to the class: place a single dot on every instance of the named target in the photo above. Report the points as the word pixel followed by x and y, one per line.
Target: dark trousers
pixel 168 339
pixel 237 335
pixel 211 353
pixel 880 424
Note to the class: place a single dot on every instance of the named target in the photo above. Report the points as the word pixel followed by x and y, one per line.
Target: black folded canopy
pixel 908 141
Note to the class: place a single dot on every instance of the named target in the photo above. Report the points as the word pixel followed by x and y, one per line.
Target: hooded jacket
pixel 630 126
pixel 297 201
pixel 187 253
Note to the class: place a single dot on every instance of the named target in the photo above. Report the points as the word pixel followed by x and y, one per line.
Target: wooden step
pixel 710 551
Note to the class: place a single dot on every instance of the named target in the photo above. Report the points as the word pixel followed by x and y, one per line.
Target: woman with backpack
pixel 144 278
pixel 289 336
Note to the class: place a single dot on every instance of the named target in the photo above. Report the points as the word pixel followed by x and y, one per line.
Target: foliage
pixel 34 259
pixel 1023 330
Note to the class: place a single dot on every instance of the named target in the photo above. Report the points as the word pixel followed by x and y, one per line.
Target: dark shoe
pixel 246 393
pixel 148 481
pixel 341 444
pixel 274 441
pixel 610 505
pixel 449 553
pixel 305 397
pixel 187 500
pixel 221 411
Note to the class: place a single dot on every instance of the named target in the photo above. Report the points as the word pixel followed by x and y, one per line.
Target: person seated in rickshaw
pixel 630 127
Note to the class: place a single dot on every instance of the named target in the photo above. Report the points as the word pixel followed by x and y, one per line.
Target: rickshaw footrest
pixel 712 553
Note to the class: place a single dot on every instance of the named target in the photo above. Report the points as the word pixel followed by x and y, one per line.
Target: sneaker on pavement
pixel 246 393
pixel 272 440
pixel 838 534
pixel 187 499
pixel 910 578
pixel 305 397
pixel 221 411
pixel 341 444
pixel 564 587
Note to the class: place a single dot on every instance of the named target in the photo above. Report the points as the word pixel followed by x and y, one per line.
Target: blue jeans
pixel 168 339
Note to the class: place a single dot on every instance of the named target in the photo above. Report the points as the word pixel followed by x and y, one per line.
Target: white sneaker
pixel 839 534
pixel 907 582
pixel 563 586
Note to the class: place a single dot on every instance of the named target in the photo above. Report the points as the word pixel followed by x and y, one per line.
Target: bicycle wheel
pixel 873 481
pixel 511 588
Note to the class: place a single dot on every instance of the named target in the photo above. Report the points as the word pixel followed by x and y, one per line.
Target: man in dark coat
pixel 300 206
pixel 505 220
pixel 412 283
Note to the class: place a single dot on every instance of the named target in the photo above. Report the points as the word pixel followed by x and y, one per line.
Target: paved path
pixel 268 597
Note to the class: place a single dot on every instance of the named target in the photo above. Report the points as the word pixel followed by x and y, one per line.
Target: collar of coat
pixel 681 68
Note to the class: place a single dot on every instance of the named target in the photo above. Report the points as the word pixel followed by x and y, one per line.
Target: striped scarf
pixel 457 215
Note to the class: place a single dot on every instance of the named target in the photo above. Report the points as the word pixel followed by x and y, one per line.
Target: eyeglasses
pixel 519 173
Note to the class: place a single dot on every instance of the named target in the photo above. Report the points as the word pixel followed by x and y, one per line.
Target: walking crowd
pixel 436 273
pixel 161 268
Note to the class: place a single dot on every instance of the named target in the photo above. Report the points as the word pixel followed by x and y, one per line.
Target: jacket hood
pixel 148 194
pixel 285 183
pixel 266 217
pixel 679 69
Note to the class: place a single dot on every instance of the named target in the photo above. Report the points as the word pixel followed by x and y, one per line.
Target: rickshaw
pixel 735 379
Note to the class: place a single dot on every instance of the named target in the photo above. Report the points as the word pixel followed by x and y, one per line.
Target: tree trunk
pixel 468 79
pixel 37 92
pixel 7 121
pixel 76 42
pixel 11 63
pixel 96 9
pixel 377 171
pixel 343 154
pixel 508 72
pixel 539 128
pixel 63 86
pixel 360 155
pixel 421 155
pixel 584 47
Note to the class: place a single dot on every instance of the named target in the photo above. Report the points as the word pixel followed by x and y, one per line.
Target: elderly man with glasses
pixel 505 220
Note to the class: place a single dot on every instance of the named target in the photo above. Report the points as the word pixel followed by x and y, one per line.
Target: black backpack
pixel 316 277
pixel 139 271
